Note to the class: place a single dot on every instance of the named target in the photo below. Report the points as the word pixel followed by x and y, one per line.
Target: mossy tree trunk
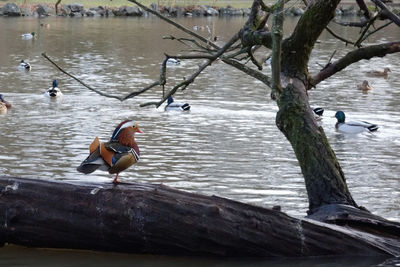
pixel 324 179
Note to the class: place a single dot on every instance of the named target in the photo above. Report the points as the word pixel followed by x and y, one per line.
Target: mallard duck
pixel 24 65
pixel 173 61
pixel 353 126
pixel 378 73
pixel 172 105
pixel 318 112
pixel 28 36
pixel 115 155
pixel 4 105
pixel 364 86
pixel 53 91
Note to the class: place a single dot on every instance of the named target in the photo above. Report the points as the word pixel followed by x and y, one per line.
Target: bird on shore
pixel 176 106
pixel 4 105
pixel 378 73
pixel 24 65
pixel 53 91
pixel 353 127
pixel 364 86
pixel 28 36
pixel 115 155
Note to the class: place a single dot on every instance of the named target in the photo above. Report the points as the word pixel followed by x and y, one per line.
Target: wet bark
pixel 324 178
pixel 145 218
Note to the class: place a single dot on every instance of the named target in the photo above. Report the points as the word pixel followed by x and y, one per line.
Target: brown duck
pixel 364 86
pixel 116 155
pixel 378 73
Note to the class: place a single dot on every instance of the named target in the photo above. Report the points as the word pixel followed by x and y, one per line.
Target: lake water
pixel 228 145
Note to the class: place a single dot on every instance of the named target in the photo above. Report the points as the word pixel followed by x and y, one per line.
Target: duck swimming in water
pixel 318 112
pixel 115 155
pixel 378 73
pixel 173 61
pixel 353 127
pixel 24 65
pixel 176 106
pixel 53 91
pixel 364 86
pixel 28 36
pixel 4 105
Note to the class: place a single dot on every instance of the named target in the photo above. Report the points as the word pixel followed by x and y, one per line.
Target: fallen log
pixel 149 218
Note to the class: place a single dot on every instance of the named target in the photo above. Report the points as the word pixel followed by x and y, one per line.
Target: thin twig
pixel 81 82
pixel 339 37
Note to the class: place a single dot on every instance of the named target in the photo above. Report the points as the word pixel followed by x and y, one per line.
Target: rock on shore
pixel 78 10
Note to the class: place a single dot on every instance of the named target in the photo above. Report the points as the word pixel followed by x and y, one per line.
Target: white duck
pixel 353 127
pixel 53 92
pixel 176 106
pixel 173 61
pixel 28 36
pixel 24 65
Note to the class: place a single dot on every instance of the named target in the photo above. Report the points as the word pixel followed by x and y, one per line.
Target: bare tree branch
pixel 177 25
pixel 210 56
pixel 81 82
pixel 387 12
pixel 253 73
pixel 361 4
pixel 339 37
pixel 376 30
pixel 354 56
pixel 277 34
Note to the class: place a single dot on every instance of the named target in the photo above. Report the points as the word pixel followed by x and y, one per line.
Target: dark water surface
pixel 228 145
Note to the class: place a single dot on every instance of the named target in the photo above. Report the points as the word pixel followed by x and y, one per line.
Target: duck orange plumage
pixel 116 155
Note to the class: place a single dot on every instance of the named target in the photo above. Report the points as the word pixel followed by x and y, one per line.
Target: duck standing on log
pixel 353 127
pixel 115 155
pixel 175 106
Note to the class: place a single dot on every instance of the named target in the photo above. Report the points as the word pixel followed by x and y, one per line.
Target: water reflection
pixel 10 256
pixel 228 145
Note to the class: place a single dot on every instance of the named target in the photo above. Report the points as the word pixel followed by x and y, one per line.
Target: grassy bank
pixel 118 3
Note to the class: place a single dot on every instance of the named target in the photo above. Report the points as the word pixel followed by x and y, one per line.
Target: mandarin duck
pixel 3 101
pixel 24 65
pixel 353 127
pixel 172 105
pixel 4 105
pixel 115 155
pixel 28 36
pixel 364 86
pixel 378 73
pixel 53 91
